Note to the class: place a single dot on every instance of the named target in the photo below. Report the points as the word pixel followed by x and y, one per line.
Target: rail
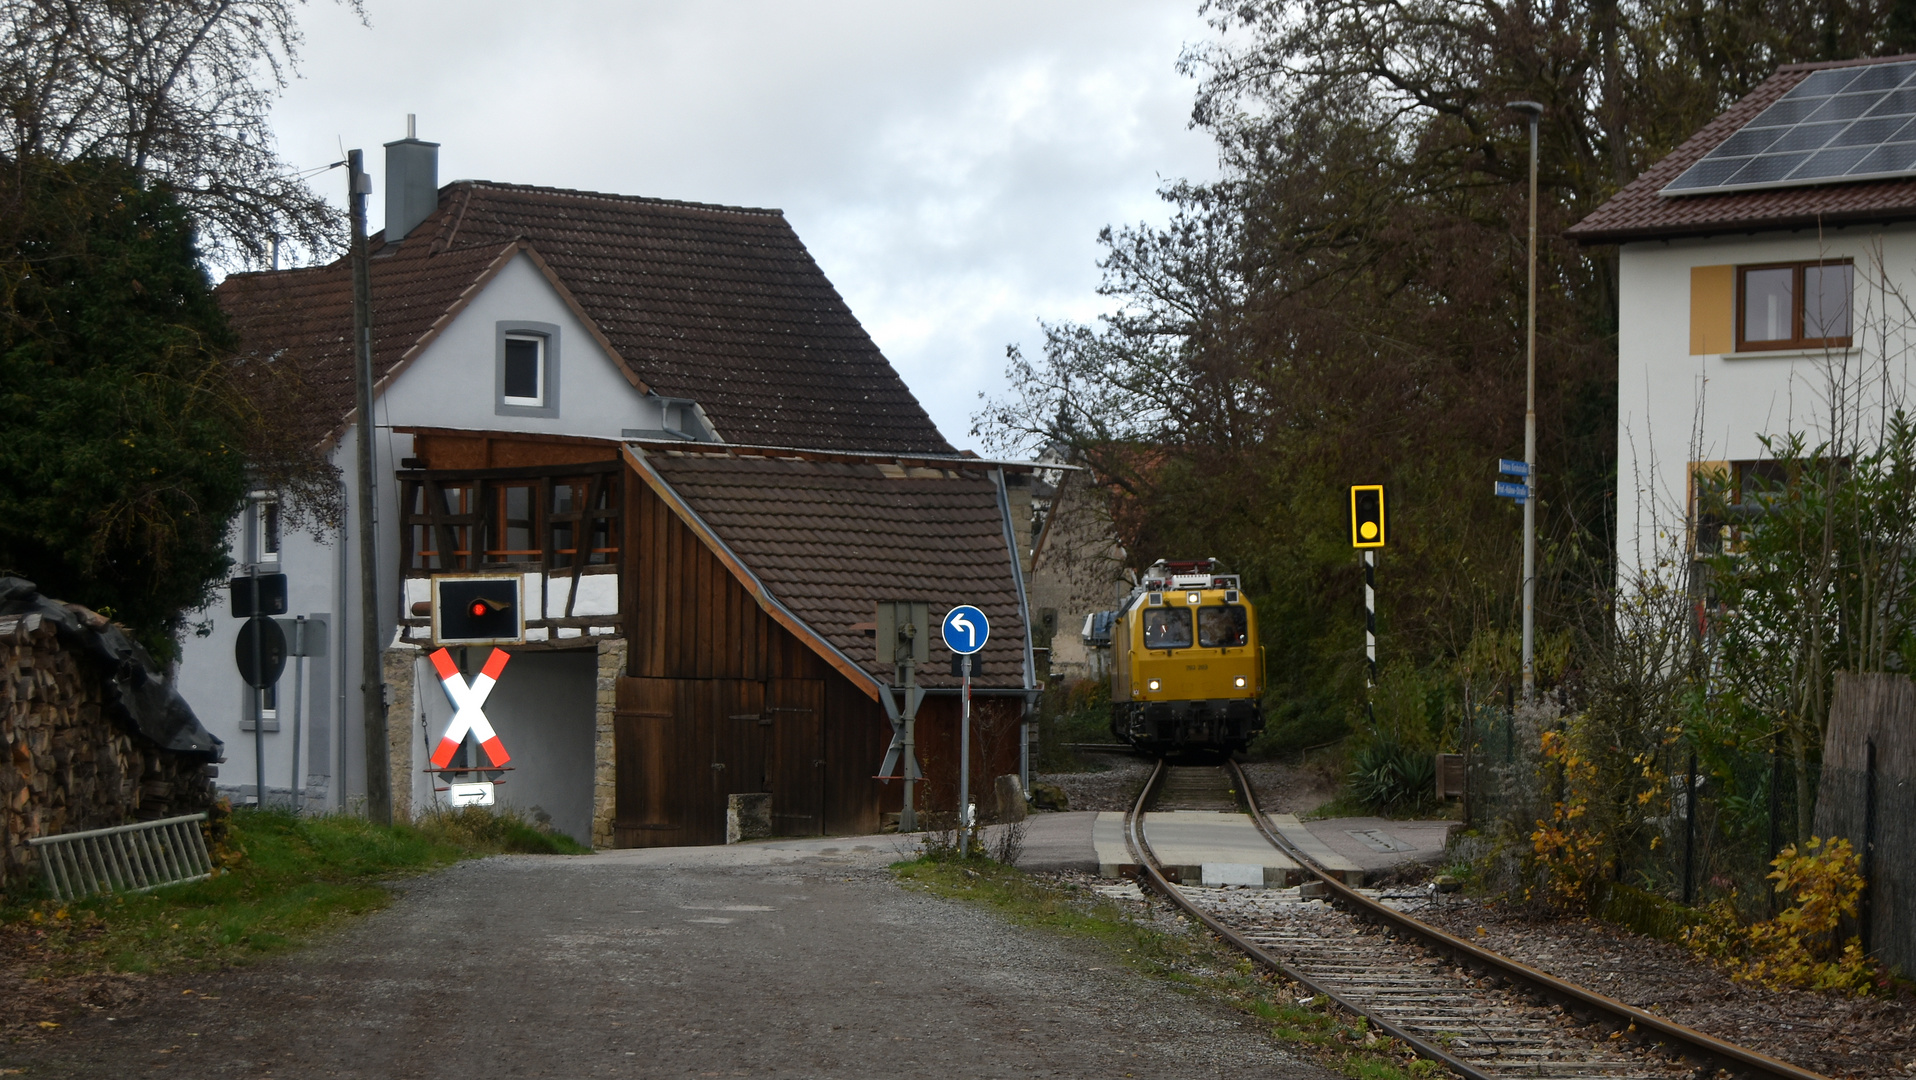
pixel 1148 866
pixel 1575 1000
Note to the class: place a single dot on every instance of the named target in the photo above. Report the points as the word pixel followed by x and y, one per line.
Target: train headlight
pixel 1193 598
pixel 1153 684
pixel 1240 682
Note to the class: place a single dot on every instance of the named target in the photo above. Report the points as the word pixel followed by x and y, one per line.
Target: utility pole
pixel 1534 111
pixel 379 796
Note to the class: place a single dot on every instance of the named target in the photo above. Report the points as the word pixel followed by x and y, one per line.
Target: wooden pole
pixel 379 796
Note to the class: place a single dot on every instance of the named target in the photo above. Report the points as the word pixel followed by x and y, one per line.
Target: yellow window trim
pixel 1712 310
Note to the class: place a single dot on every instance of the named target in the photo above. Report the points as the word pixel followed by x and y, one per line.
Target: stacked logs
pixel 65 764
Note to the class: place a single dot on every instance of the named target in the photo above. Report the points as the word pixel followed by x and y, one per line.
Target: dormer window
pixel 527 381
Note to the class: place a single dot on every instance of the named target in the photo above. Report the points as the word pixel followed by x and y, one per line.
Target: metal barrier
pixel 126 858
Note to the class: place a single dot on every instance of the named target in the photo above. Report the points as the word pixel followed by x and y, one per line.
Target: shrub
pixel 1800 947
pixel 1390 777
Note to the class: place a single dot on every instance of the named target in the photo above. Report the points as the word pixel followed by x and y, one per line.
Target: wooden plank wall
pixel 1877 709
pixel 720 699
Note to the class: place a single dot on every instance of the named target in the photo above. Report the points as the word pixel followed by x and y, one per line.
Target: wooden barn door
pixel 797 711
pixel 739 733
pixel 646 749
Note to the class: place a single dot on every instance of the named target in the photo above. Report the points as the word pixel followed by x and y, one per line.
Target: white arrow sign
pixel 468 701
pixel 966 629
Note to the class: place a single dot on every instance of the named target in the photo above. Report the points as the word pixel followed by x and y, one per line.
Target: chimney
pixel 412 183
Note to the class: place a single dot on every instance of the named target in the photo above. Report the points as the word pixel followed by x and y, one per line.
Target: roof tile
pixel 722 305
pixel 829 540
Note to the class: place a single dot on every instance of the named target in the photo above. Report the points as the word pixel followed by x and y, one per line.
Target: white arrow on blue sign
pixel 966 629
pixel 1512 491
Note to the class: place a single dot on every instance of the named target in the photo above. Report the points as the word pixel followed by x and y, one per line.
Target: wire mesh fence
pixel 1693 823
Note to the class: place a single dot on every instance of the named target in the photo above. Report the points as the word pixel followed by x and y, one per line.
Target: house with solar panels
pixel 1767 268
pixel 641 479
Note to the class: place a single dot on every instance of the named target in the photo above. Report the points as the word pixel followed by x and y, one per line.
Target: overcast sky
pixel 949 165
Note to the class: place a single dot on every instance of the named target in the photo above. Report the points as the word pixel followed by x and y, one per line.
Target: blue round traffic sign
pixel 966 629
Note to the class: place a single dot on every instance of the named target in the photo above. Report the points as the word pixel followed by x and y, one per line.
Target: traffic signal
pixel 478 610
pixel 1367 515
pixel 902 632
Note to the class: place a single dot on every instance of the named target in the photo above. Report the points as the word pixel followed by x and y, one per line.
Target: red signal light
pixel 478 609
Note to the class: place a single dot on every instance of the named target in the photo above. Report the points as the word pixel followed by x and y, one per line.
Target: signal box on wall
pixel 478 609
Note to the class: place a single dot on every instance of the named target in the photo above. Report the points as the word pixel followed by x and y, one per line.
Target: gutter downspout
pixel 1024 616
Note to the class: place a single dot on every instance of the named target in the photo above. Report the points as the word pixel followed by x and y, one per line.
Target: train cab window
pixel 1225 627
pixel 1167 628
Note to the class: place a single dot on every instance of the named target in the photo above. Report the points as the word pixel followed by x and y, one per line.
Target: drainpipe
pixel 1024 615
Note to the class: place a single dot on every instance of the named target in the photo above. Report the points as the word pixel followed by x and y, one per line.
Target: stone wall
pixel 397 665
pixel 605 776
pixel 65 763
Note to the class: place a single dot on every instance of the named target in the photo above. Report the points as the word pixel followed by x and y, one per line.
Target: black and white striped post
pixel 1370 634
pixel 1367 535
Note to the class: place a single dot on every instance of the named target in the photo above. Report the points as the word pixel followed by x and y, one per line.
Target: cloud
pixel 948 166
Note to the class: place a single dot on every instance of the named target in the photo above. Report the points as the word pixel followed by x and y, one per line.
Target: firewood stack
pixel 65 764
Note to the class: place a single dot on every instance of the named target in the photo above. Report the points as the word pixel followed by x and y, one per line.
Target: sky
pixel 948 165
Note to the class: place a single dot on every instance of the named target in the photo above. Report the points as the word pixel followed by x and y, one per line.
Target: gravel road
pixel 776 961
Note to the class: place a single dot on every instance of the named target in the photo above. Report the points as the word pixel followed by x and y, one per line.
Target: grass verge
pixel 1172 949
pixel 283 878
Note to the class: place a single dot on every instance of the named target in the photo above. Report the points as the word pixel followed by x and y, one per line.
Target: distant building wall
pixel 1077 568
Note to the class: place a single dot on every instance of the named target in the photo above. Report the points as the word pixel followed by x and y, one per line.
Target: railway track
pixel 1483 1015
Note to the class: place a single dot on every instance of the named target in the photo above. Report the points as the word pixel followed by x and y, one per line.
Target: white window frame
pixel 538 399
pixel 257 534
pixel 546 402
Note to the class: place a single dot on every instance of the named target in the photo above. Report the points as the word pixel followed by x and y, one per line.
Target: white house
pixel 523 337
pixel 1766 270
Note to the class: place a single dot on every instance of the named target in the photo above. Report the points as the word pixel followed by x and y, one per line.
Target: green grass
pixel 1187 959
pixel 283 879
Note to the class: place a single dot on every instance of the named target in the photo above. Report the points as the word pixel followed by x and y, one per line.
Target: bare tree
pixel 178 89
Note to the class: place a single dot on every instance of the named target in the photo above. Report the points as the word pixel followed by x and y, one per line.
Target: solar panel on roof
pixel 1856 123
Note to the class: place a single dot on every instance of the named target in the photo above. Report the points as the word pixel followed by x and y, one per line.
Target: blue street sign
pixel 1512 491
pixel 966 629
pixel 1512 468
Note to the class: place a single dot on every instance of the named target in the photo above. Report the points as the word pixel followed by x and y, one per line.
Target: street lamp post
pixel 1533 111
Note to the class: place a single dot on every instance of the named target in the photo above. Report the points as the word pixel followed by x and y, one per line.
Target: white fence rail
pixel 126 858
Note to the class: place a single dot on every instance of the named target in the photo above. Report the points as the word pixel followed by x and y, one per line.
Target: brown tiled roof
pixel 828 540
pixel 722 305
pixel 1639 213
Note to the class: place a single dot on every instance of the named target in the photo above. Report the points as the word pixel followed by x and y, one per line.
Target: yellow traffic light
pixel 1367 515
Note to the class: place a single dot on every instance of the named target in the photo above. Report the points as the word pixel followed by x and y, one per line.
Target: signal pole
pixel 1533 110
pixel 1370 635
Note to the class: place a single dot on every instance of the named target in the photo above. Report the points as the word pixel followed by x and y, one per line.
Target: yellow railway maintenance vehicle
pixel 1187 674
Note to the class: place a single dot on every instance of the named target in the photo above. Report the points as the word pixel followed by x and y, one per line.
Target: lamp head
pixel 1529 108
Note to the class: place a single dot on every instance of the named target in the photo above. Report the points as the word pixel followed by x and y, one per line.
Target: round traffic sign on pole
pixel 966 629
pixel 260 668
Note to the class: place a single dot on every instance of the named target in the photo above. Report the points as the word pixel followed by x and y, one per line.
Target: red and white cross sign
pixel 468 714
